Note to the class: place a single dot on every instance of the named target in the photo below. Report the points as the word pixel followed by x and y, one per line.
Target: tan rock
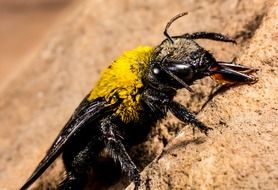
pixel 240 153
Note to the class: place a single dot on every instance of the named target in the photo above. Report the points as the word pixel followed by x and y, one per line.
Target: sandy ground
pixel 241 152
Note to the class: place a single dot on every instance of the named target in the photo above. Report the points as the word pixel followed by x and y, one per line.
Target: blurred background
pixel 23 27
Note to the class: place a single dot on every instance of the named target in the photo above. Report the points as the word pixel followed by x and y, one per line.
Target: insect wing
pixel 86 111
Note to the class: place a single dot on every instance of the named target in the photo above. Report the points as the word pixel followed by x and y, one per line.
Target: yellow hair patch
pixel 123 78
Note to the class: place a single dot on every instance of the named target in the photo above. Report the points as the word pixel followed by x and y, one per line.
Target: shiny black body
pixel 176 63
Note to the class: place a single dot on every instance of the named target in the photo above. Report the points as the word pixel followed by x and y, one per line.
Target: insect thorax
pixel 123 79
pixel 179 50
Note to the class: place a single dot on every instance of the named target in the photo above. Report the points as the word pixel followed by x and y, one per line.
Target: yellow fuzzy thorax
pixel 123 79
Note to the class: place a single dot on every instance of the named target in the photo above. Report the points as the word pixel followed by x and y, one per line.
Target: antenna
pixel 170 23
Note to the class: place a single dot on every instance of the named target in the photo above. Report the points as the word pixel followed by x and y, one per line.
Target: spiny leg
pixel 73 181
pixel 118 152
pixel 207 35
pixel 185 116
pixel 77 165
pixel 220 88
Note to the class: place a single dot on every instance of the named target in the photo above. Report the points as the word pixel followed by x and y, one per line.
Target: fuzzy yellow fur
pixel 123 78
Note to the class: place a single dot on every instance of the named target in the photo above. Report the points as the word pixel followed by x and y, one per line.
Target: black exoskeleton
pixel 97 123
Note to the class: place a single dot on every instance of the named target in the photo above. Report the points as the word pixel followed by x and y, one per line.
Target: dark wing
pixel 86 111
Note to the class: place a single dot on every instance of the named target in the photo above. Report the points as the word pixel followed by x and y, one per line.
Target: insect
pixel 133 93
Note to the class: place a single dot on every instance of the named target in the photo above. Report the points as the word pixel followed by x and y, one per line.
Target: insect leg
pixel 118 152
pixel 77 162
pixel 185 116
pixel 207 35
pixel 73 181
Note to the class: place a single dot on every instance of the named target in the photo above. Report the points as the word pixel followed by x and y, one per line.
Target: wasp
pixel 133 93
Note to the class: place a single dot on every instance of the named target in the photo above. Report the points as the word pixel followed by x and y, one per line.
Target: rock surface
pixel 240 153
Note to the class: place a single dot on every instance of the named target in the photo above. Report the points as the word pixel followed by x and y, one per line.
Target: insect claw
pixel 206 130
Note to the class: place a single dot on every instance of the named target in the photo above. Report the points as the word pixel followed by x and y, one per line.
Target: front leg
pixel 185 116
pixel 113 142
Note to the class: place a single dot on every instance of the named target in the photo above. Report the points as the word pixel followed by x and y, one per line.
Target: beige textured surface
pixel 23 27
pixel 241 153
